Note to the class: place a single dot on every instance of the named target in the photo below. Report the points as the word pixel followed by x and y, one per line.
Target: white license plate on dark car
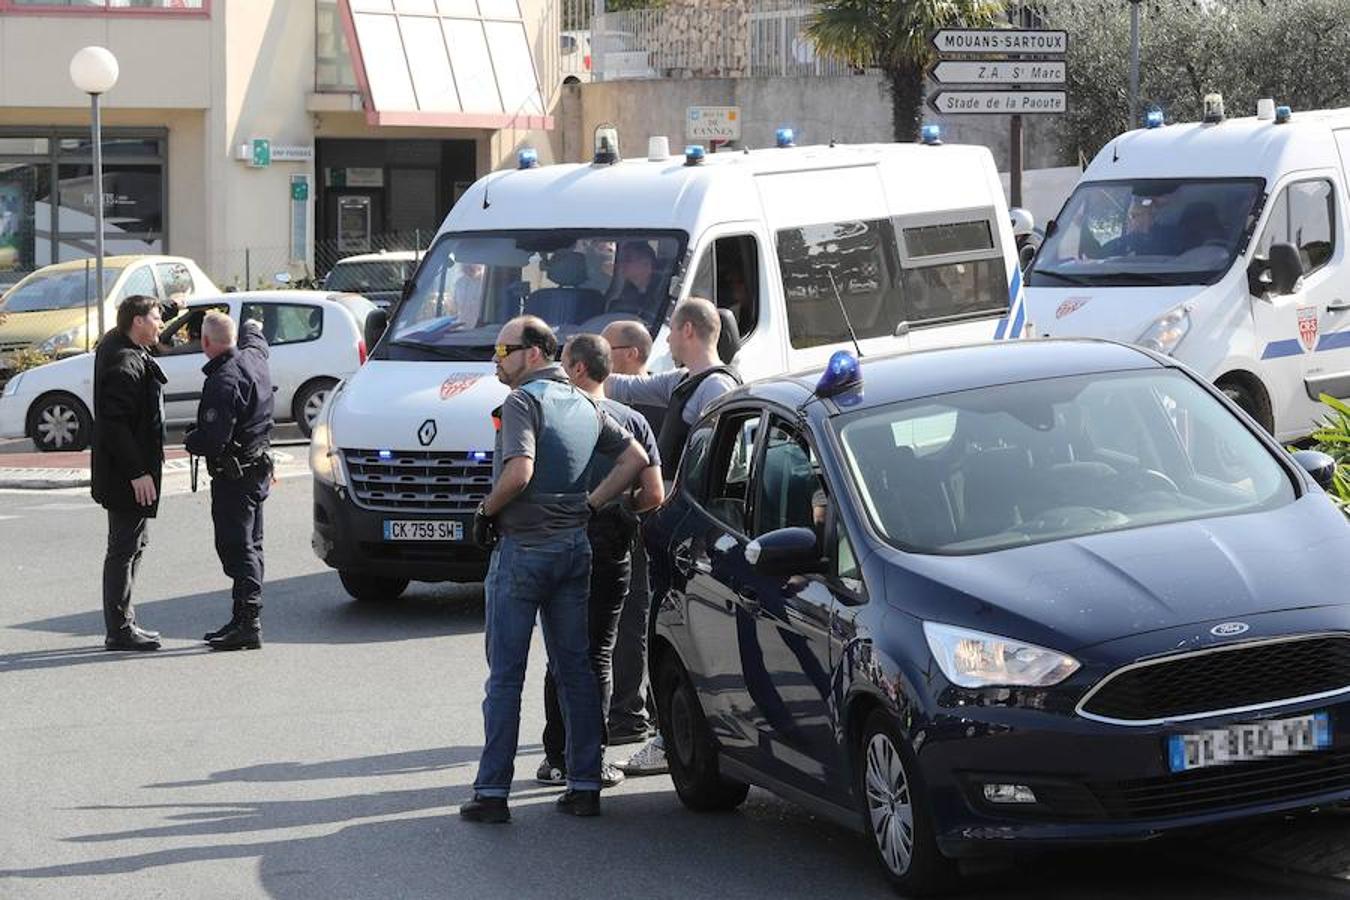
pixel 1249 741
pixel 415 530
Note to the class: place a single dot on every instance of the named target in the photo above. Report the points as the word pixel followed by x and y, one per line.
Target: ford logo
pixel 1230 629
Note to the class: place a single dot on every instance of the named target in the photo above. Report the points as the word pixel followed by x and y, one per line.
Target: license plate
pixel 1243 743
pixel 412 530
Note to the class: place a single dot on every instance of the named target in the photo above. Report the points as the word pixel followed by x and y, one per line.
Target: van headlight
pixel 1164 335
pixel 323 456
pixel 71 337
pixel 973 659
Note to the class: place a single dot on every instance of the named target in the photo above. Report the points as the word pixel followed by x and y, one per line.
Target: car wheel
pixel 59 422
pixel 895 811
pixel 372 588
pixel 1245 398
pixel 309 402
pixel 690 748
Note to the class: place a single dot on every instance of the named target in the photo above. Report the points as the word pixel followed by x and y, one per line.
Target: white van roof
pixel 1234 148
pixel 729 186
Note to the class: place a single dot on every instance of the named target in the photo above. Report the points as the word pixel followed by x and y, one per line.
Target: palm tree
pixel 896 37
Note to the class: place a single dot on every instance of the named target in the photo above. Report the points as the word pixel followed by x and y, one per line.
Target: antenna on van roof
pixel 843 312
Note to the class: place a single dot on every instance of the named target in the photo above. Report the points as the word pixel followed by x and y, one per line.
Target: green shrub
pixel 1332 437
pixel 28 358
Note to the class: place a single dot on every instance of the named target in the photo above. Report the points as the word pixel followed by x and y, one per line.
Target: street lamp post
pixel 94 71
pixel 1134 63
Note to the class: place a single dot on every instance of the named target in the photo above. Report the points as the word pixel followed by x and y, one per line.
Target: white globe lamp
pixel 94 71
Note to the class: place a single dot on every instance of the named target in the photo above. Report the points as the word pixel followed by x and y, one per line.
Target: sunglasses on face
pixel 502 351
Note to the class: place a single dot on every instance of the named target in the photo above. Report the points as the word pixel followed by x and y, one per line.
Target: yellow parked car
pixel 55 311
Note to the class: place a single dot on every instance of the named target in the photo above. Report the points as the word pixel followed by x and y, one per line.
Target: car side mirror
pixel 377 320
pixel 785 551
pixel 1319 465
pixel 1286 268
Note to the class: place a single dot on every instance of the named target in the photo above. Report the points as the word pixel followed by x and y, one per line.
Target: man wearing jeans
pixel 541 564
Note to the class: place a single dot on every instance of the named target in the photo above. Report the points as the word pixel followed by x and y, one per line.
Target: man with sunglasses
pixel 541 562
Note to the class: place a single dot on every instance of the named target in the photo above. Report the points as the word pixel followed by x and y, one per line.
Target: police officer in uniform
pixel 541 563
pixel 233 432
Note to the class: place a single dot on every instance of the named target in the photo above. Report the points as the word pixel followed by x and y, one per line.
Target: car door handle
pixel 1338 306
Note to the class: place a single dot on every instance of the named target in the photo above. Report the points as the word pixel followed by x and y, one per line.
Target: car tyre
pixel 690 748
pixel 895 811
pixel 1244 397
pixel 309 401
pixel 59 422
pixel 372 588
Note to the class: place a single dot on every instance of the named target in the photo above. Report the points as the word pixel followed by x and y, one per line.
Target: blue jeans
pixel 551 581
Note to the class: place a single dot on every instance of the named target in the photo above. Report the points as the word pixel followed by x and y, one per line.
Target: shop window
pixel 286 323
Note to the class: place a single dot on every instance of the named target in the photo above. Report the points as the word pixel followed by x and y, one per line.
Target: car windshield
pixel 1148 232
pixel 385 275
pixel 998 467
pixel 67 289
pixel 469 285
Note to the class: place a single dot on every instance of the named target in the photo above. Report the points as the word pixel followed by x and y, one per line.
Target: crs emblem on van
pixel 457 384
pixel 1307 327
pixel 1071 305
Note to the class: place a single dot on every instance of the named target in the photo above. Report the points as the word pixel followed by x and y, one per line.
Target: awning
pixel 444 63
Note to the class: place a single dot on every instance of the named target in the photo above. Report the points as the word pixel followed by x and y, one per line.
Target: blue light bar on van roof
pixel 1283 114
pixel 527 158
pixel 1153 118
pixel 693 155
pixel 785 137
pixel 842 372
pixel 931 135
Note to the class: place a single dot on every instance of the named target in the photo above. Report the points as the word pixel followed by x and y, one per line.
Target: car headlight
pixel 69 338
pixel 323 456
pixel 12 386
pixel 973 659
pixel 1164 335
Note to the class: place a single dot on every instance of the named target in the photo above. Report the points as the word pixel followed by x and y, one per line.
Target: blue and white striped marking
pixel 1017 311
pixel 1336 340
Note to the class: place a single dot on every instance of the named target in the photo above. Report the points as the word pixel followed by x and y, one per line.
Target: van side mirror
pixel 377 320
pixel 786 551
pixel 1286 268
pixel 1319 465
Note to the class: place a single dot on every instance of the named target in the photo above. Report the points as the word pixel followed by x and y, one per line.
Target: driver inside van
pixel 1148 230
pixel 637 271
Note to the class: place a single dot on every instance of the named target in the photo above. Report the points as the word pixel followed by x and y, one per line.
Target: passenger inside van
pixel 637 270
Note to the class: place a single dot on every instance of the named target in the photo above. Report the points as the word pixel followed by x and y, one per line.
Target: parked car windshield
pixel 363 277
pixel 1147 232
pixel 998 467
pixel 469 285
pixel 66 289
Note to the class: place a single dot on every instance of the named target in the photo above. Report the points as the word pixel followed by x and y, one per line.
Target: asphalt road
pixel 330 764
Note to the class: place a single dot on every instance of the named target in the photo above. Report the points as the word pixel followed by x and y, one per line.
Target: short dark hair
pixel 634 249
pixel 592 351
pixel 534 332
pixel 131 307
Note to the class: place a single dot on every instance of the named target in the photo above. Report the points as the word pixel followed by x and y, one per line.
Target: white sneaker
pixel 650 760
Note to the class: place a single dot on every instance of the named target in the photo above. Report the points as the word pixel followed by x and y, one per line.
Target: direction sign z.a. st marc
pixel 1015 71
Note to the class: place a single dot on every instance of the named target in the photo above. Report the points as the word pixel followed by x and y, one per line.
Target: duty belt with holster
pixel 237 461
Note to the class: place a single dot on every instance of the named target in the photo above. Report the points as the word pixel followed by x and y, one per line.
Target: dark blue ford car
pixel 1001 595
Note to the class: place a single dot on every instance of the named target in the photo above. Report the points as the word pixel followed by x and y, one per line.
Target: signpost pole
pixel 1134 63
pixel 1015 162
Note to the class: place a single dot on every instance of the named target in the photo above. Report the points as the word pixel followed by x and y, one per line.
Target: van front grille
pixel 419 480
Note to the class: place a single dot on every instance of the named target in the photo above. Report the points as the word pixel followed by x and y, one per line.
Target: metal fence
pixel 253 268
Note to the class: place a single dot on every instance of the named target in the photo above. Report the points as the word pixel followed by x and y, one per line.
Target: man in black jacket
pixel 233 432
pixel 127 459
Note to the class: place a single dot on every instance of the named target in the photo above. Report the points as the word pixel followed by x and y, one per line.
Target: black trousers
pixel 237 514
pixel 611 569
pixel 629 710
pixel 127 538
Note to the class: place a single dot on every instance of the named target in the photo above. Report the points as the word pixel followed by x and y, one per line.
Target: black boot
pixel 245 634
pixel 219 632
pixel 579 803
pixel 486 809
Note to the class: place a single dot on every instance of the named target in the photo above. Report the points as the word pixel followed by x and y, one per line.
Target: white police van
pixel 1221 243
pixel 913 240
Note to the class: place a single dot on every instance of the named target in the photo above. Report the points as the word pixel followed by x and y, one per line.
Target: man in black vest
pixel 686 393
pixel 127 458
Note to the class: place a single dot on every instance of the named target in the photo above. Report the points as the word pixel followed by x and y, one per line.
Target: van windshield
pixel 470 284
pixel 1148 232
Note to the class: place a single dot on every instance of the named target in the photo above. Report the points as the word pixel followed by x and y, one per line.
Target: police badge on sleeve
pixel 1307 327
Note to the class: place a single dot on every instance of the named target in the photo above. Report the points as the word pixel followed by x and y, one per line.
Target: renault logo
pixel 427 433
pixel 1230 629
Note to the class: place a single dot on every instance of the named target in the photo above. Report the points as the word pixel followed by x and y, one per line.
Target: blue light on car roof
pixel 842 372
pixel 693 155
pixel 785 137
pixel 931 134
pixel 1154 118
pixel 527 158
pixel 1283 114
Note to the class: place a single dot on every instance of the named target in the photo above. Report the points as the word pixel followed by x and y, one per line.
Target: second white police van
pixel 913 240
pixel 1222 243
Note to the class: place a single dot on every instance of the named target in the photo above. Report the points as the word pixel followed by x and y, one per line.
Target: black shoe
pixel 492 810
pixel 145 633
pixel 130 639
pixel 618 737
pixel 551 774
pixel 580 803
pixel 220 632
pixel 245 635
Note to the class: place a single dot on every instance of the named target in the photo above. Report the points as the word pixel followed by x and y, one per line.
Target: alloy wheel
pixel 313 406
pixel 57 425
pixel 888 804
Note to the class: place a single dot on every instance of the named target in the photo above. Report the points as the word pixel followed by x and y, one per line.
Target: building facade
pixel 261 136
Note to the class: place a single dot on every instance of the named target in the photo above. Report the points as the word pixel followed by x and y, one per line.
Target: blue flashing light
pixel 931 135
pixel 478 455
pixel 842 372
pixel 527 158
pixel 693 155
pixel 386 454
pixel 1154 118
pixel 785 137
pixel 1283 114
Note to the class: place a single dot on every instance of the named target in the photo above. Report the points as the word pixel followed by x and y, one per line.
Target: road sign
pixel 713 123
pixel 1017 71
pixel 1001 40
pixel 1001 103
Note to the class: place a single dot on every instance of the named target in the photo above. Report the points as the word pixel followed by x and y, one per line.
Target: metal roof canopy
pixel 444 63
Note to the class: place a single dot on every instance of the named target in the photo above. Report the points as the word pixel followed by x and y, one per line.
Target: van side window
pixel 951 268
pixel 853 263
pixel 1304 214
pixel 728 275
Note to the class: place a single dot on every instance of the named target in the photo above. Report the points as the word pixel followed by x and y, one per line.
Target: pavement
pixel 331 763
